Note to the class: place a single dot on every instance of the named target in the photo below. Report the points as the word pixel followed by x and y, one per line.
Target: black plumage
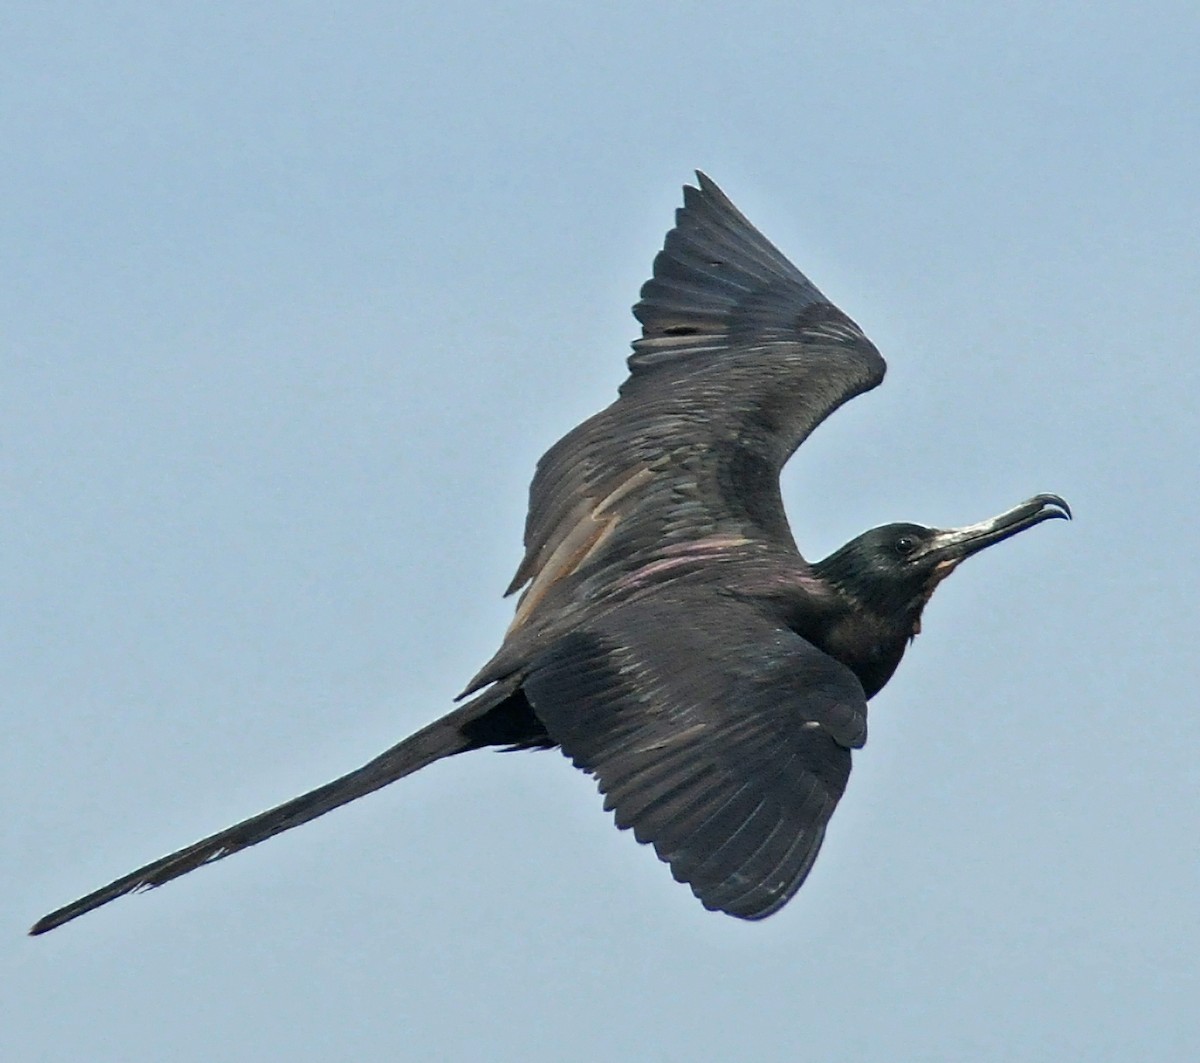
pixel 670 638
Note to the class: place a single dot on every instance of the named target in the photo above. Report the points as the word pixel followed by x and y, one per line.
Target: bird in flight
pixel 670 639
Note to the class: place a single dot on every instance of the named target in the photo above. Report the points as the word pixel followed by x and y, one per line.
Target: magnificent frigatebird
pixel 670 639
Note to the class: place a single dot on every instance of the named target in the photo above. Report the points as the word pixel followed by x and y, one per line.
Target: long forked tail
pixel 451 734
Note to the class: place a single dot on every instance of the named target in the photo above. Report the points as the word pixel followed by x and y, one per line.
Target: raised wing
pixel 719 737
pixel 740 358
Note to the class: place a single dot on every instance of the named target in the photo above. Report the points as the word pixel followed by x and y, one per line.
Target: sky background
pixel 294 297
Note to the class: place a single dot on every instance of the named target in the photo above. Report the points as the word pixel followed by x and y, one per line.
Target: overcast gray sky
pixel 294 297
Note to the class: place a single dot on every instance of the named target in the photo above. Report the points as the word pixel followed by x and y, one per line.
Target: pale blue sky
pixel 294 297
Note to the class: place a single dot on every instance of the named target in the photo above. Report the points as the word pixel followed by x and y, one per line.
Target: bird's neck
pixel 869 645
pixel 868 639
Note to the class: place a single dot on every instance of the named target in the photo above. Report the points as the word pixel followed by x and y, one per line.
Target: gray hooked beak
pixel 953 545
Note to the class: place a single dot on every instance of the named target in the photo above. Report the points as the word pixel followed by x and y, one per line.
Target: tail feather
pixel 443 738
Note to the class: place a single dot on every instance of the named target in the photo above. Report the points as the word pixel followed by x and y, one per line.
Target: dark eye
pixel 905 545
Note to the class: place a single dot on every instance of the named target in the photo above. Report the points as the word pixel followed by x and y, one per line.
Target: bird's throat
pixel 869 645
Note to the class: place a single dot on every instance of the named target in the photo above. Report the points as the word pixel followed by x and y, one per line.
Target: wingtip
pixel 707 188
pixel 706 181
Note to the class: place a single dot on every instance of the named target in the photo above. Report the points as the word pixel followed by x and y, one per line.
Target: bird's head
pixel 892 571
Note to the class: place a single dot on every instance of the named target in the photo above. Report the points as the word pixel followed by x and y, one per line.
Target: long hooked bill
pixel 956 544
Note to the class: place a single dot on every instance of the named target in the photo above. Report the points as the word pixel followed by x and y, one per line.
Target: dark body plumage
pixel 670 638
